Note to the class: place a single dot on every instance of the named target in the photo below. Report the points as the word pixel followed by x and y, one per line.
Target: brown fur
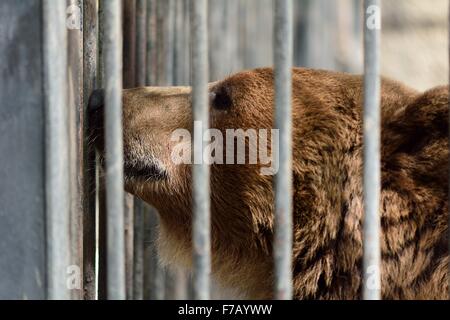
pixel 327 171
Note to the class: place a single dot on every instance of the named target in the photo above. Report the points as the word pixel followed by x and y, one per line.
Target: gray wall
pixel 22 214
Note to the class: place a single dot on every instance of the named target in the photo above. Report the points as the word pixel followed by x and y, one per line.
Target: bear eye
pixel 220 99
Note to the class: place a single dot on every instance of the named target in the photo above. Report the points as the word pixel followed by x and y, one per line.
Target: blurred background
pixel 328 34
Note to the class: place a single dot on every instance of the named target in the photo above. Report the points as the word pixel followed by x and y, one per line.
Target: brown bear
pixel 327 178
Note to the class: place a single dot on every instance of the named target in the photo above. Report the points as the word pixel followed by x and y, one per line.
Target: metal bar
pixel 283 47
pixel 151 62
pixel 23 259
pixel 90 62
pixel 176 280
pixel 164 42
pixel 141 41
pixel 102 271
pixel 200 172
pixel 114 149
pixel 76 136
pixel 179 68
pixel 129 244
pixel 186 38
pixel 102 282
pixel 371 258
pixel 138 232
pixel 129 81
pixel 129 43
pixel 164 78
pixel 57 148
pixel 154 274
pixel 138 254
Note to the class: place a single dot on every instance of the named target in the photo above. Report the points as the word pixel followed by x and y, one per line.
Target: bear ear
pixel 415 142
pixel 220 98
pixel 423 121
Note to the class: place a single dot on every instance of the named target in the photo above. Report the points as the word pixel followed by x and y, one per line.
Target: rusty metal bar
pixel 114 149
pixel 283 47
pixel 57 148
pixel 371 258
pixel 200 172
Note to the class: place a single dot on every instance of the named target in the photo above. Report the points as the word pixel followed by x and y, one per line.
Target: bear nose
pixel 96 100
pixel 95 109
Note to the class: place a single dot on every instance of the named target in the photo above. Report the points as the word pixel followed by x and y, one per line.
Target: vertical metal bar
pixel 114 149
pixel 138 232
pixel 102 277
pixel 141 41
pixel 138 255
pixel 129 43
pixel 57 148
pixel 101 32
pixel 76 136
pixel 179 68
pixel 23 261
pixel 186 38
pixel 165 10
pixel 176 280
pixel 90 62
pixel 102 282
pixel 218 49
pixel 129 243
pixel 283 47
pixel 153 272
pixel 371 258
pixel 151 43
pixel 169 37
pixel 165 42
pixel 129 81
pixel 200 173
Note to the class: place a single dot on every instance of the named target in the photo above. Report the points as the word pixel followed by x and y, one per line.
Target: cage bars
pixel 371 122
pixel 114 150
pixel 200 172
pixel 90 63
pixel 57 188
pixel 282 247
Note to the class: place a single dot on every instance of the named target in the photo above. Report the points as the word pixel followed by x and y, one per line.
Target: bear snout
pixel 96 117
